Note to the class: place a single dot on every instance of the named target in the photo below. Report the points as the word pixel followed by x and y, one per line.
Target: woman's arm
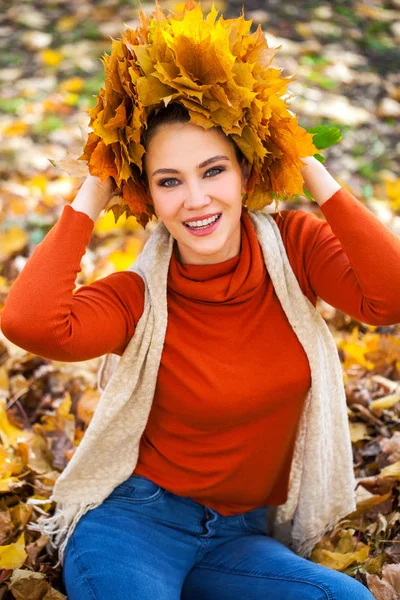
pixel 44 316
pixel 351 260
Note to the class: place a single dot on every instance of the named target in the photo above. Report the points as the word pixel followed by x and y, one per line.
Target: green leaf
pixel 325 136
pixel 322 80
pixel 93 84
pixel 320 158
pixel 314 60
pixel 12 106
pixel 47 125
pixel 307 194
pixel 368 191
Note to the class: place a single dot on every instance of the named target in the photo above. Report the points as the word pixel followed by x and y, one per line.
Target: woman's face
pixel 187 190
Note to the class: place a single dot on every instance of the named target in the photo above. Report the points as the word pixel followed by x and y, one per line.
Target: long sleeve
pixel 351 260
pixel 44 316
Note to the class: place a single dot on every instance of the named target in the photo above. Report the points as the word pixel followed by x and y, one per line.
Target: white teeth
pixel 202 223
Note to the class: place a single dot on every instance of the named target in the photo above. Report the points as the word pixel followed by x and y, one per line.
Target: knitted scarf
pixel 321 483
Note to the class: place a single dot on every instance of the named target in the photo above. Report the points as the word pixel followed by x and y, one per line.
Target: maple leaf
pixel 387 588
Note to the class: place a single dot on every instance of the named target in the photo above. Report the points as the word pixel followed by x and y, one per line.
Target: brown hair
pixel 173 113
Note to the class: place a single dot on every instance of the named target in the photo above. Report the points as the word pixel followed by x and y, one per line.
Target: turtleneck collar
pixel 231 281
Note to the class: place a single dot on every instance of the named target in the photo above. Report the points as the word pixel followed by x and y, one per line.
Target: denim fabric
pixel 146 543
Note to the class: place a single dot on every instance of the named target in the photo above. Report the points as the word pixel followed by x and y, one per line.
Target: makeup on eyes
pixel 218 168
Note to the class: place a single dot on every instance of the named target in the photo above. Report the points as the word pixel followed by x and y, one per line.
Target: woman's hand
pixel 318 181
pixel 93 196
pixel 309 160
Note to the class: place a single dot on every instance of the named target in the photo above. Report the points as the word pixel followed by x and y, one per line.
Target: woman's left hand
pixel 318 181
pixel 310 160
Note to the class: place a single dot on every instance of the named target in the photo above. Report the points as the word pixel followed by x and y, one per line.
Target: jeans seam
pixel 124 490
pixel 243 524
pixel 147 500
pixel 247 528
pixel 80 568
pixel 264 576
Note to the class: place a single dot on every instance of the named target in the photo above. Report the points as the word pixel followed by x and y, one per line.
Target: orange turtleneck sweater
pixel 233 376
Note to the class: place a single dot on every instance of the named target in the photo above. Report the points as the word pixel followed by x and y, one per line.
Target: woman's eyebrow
pixel 200 166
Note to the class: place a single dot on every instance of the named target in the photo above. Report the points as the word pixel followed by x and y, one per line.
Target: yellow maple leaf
pixel 12 240
pixel 13 555
pixel 50 57
pixel 338 560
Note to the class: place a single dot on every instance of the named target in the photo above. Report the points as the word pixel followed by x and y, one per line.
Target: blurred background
pixel 345 57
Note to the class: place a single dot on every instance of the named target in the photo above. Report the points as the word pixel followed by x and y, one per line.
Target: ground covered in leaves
pixel 345 56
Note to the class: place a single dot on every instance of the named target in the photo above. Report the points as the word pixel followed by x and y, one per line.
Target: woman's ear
pixel 245 176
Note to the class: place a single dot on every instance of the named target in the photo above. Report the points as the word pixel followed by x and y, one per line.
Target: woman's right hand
pixel 93 196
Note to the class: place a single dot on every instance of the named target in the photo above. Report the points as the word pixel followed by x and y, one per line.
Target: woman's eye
pixel 215 169
pixel 164 181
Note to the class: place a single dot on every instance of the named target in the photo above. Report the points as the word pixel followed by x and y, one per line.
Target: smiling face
pixel 193 175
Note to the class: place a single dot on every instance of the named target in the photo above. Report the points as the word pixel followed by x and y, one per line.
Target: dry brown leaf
pixel 387 588
pixel 391 446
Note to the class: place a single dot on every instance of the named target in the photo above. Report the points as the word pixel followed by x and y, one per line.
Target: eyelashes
pixel 163 181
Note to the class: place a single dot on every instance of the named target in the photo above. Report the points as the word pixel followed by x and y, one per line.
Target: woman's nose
pixel 196 196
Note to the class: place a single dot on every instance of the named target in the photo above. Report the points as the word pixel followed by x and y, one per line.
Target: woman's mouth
pixel 204 229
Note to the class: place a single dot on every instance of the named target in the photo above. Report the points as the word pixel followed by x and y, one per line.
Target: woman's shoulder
pixel 301 232
pixel 298 224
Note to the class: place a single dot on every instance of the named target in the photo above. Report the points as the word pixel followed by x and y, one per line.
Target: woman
pixel 190 521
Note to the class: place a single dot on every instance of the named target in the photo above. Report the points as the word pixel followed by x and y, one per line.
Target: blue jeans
pixel 146 543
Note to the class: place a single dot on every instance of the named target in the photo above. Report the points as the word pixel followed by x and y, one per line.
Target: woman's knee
pixel 340 586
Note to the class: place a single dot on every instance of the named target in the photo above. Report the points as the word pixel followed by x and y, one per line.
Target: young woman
pixel 190 521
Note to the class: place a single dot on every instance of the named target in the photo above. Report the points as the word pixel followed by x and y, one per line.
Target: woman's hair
pixel 173 113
